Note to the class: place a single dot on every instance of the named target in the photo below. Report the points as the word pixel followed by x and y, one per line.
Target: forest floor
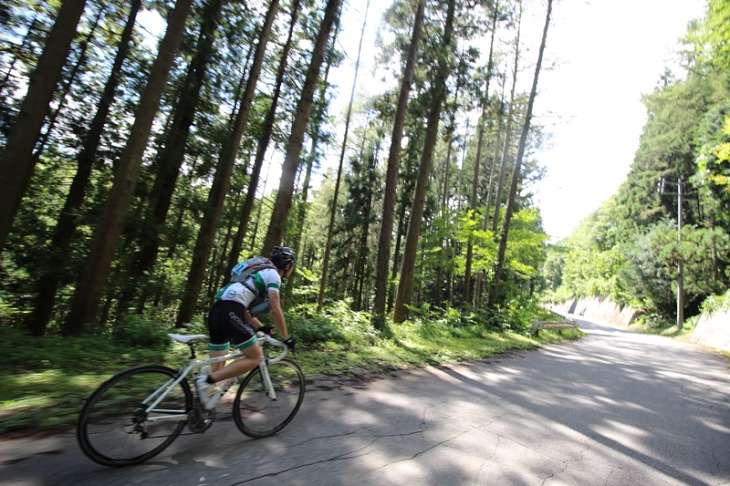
pixel 43 387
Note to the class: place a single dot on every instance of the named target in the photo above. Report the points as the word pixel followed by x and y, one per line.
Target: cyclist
pixel 229 321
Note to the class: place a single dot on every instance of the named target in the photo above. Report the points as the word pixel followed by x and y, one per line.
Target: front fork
pixel 263 366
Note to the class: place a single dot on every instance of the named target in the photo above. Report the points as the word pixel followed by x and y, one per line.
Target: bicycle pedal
pixel 199 419
pixel 200 427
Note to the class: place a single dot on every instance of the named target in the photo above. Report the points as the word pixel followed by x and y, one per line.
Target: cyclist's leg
pixel 219 331
pixel 219 365
pixel 244 338
pixel 252 357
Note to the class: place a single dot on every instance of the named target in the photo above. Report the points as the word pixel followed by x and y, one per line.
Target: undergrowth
pixel 44 381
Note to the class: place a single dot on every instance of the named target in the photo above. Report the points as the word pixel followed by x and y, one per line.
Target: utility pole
pixel 680 286
pixel 680 269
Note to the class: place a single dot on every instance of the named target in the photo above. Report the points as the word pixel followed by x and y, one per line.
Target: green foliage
pixel 651 270
pixel 151 268
pixel 307 285
pixel 587 263
pixel 484 243
pixel 711 37
pixel 451 321
pixel 653 321
pixel 43 381
pixel 716 303
pixel 526 248
pixel 517 315
pixel 712 177
pixel 649 279
pixel 630 248
pixel 335 323
pixel 9 311
pixel 135 330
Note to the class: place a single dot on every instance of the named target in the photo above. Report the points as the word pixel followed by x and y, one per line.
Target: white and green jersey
pixel 255 287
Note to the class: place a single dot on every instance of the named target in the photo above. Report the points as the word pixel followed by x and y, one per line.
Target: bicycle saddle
pixel 186 338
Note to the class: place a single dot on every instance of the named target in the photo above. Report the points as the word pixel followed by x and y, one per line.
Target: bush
pixel 137 331
pixel 654 320
pixel 517 315
pixel 562 294
pixel 716 303
pixel 334 323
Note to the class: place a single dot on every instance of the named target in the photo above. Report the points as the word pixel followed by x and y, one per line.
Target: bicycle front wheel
pixel 256 413
pixel 114 427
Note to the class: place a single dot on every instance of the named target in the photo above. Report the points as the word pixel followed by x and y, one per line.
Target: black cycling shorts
pixel 227 325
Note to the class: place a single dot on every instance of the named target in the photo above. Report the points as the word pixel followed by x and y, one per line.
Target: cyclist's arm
pixel 277 314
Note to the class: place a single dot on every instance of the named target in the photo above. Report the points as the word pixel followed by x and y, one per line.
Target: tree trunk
pixel 65 89
pixel 438 296
pixel 493 165
pixel 478 160
pixel 222 179
pixel 508 131
pixel 391 180
pixel 318 116
pixel 98 263
pixel 282 205
pixel 263 143
pixel 6 81
pixel 16 161
pixel 363 251
pixel 319 112
pixel 405 286
pixel 482 277
pixel 67 221
pixel 517 174
pixel 333 208
pixel 172 155
pixel 396 258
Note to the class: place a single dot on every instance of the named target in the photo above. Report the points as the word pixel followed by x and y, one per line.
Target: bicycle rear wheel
pixel 115 430
pixel 258 415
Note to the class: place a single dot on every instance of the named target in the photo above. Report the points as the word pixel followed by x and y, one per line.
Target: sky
pixel 603 56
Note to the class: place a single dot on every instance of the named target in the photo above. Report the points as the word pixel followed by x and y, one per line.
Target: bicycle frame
pixel 158 395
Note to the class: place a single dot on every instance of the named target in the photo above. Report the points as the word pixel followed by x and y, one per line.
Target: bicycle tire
pixel 113 429
pixel 255 413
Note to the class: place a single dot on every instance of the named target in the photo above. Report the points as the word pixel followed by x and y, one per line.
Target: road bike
pixel 136 414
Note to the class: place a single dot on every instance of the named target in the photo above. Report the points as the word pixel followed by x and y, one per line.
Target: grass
pixel 663 327
pixel 45 381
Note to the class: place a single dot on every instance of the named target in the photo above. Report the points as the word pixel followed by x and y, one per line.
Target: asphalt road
pixel 616 408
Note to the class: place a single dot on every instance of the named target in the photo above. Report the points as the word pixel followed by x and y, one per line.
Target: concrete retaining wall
pixel 598 308
pixel 713 330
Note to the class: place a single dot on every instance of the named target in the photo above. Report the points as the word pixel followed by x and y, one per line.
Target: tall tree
pixel 343 148
pixel 437 97
pixel 284 195
pixel 350 243
pixel 16 161
pixel 716 33
pixel 68 220
pixel 391 179
pixel 98 263
pixel 171 156
pixel 222 178
pixel 517 172
pixel 478 159
pixel 317 134
pixel 508 130
pixel 263 143
pixel 63 91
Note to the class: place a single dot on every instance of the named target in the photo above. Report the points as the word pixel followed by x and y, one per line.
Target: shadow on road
pixel 613 408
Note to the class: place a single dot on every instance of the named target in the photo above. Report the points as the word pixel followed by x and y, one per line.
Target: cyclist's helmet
pixel 281 256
